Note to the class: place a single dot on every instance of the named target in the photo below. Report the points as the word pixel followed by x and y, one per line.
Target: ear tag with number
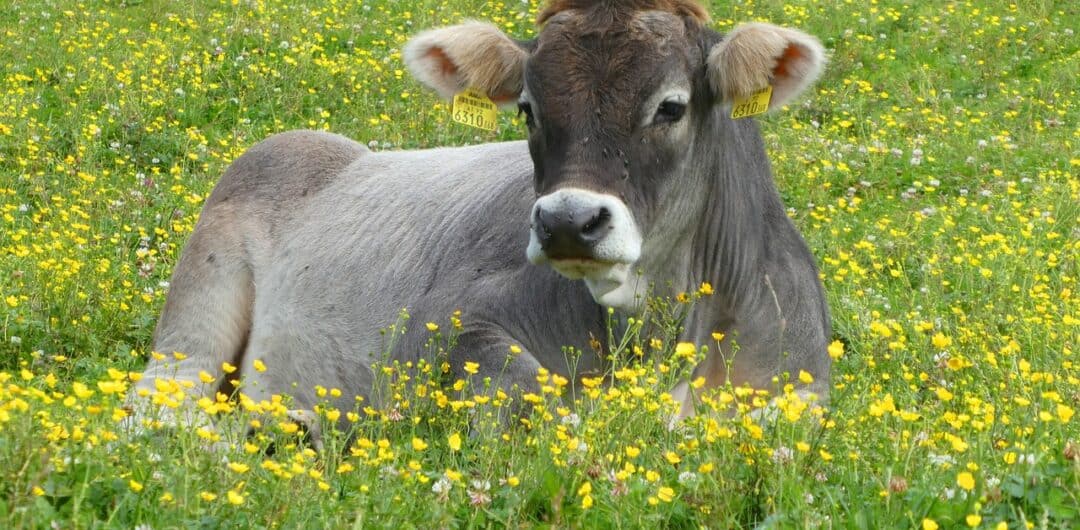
pixel 753 104
pixel 474 109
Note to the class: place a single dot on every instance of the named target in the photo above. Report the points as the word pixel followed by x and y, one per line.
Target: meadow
pixel 933 171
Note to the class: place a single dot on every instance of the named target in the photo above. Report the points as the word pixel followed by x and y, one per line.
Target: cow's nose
pixel 571 233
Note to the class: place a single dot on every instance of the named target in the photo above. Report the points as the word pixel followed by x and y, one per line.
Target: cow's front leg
pixel 496 365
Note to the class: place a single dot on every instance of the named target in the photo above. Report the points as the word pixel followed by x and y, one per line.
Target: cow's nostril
pixel 593 227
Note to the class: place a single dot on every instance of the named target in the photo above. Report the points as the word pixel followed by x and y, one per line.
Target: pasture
pixel 932 170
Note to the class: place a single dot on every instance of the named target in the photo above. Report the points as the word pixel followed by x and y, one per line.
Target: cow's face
pixel 617 102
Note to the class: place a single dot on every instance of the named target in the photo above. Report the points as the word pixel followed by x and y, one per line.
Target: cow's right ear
pixel 469 55
pixel 756 55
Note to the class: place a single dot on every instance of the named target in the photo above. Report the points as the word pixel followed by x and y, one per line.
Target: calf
pixel 634 180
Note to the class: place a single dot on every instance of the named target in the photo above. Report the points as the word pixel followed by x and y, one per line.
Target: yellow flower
pixel 234 498
pixel 135 485
pixel 454 441
pixel 929 524
pixel 227 368
pixel 836 349
pixel 1064 412
pixel 81 390
pixel 973 520
pixel 207 496
pixel 258 365
pixel 513 481
pixel 705 289
pixel 515 349
pixel 584 489
pixel 586 502
pixel 237 467
pixel 471 368
pixel 205 377
pixel 940 341
pixel 943 394
pixel 672 457
pixel 431 326
pixel 685 350
pixel 112 387
pixel 632 451
pixel 665 494
pixel 965 480
pixel 418 444
pixel 805 377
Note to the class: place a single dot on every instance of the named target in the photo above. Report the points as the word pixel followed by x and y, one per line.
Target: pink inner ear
pixel 446 66
pixel 791 54
pixel 502 98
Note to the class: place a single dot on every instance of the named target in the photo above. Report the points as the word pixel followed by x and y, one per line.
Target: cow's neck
pixel 724 242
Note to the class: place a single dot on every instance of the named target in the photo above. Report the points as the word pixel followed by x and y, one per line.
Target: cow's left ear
pixel 757 54
pixel 469 55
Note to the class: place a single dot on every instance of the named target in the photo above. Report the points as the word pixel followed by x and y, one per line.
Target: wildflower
pixel 805 377
pixel 966 481
pixel 665 494
pixel 238 467
pixel 432 327
pixel 471 368
pixel 973 520
pixel 685 350
pixel 135 485
pixel 207 496
pixel 940 341
pixel 836 349
pixel 454 441
pixel 705 289
pixel 258 365
pixel 234 498
pixel 442 487
pixel 929 524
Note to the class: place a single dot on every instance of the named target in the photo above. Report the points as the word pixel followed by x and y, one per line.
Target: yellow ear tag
pixel 474 109
pixel 753 104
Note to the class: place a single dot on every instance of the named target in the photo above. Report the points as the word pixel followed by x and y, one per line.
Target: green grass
pixel 933 172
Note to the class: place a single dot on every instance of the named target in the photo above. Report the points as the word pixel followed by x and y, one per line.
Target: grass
pixel 933 172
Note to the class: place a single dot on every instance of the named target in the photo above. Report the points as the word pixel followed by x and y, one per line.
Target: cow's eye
pixel 525 108
pixel 669 112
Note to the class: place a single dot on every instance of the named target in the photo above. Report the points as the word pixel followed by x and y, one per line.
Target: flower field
pixel 933 171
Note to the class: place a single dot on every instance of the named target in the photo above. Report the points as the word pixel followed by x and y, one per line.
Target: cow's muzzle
pixel 583 234
pixel 571 233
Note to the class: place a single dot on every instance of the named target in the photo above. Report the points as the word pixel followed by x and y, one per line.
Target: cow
pixel 634 182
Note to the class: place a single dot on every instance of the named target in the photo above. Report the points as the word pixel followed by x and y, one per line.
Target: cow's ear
pixel 757 54
pixel 469 55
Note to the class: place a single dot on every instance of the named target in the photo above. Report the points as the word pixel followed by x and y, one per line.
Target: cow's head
pixel 620 98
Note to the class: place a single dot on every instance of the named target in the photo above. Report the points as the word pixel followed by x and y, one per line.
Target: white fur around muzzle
pixel 608 275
